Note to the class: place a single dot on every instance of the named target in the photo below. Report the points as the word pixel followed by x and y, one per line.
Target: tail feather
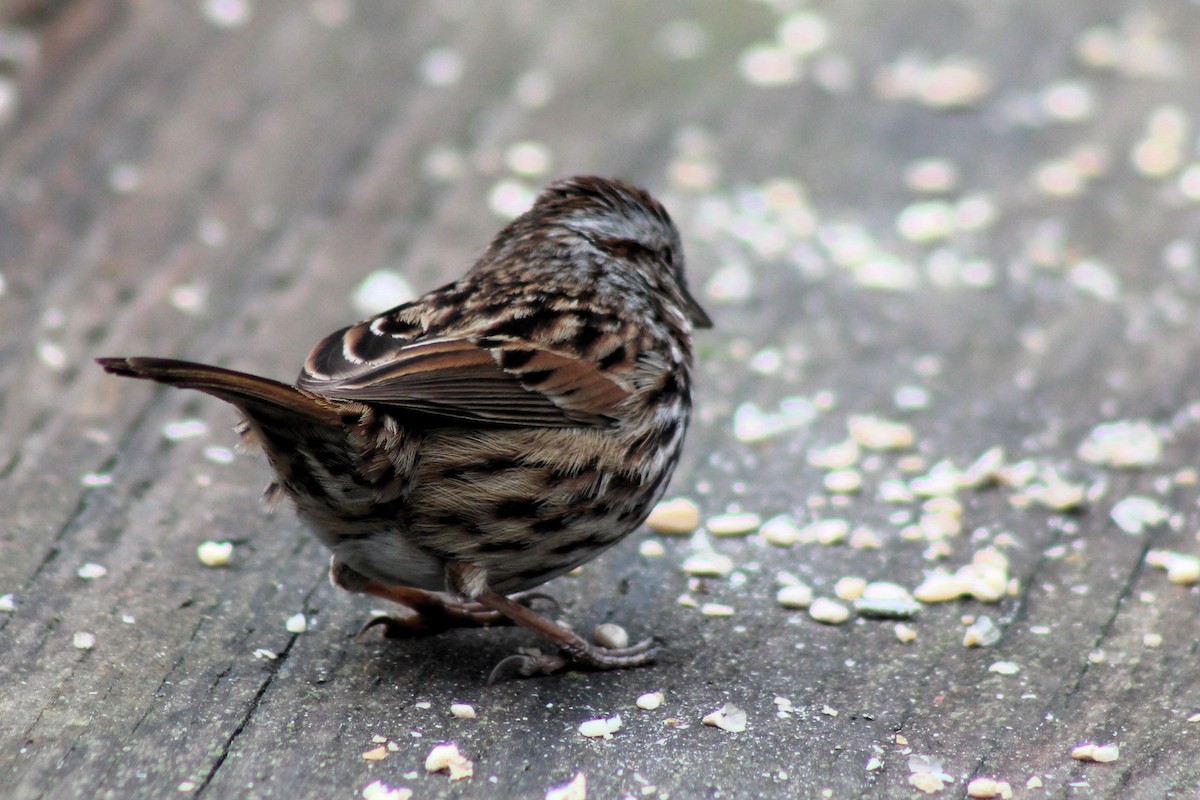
pixel 250 393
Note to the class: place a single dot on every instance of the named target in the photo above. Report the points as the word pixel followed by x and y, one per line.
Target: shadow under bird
pixel 495 433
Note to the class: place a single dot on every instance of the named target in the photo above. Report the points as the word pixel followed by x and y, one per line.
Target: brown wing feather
pixel 460 379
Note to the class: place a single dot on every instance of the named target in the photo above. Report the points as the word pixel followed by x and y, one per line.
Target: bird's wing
pixel 468 379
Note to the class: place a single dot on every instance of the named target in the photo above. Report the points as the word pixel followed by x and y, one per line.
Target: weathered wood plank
pixel 178 188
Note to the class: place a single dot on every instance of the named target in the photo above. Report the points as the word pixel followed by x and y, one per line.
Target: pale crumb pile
pixel 296 623
pixel 83 640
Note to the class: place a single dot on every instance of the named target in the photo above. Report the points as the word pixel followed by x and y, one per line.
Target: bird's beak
pixel 696 314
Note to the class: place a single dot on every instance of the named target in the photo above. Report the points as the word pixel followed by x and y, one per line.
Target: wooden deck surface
pixel 214 180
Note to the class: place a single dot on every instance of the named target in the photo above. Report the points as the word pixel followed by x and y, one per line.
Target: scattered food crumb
pixel 575 790
pixel 8 603
pixel 447 757
pixel 296 623
pixel 794 596
pixel 602 728
pixel 850 588
pixel 981 633
pixel 84 640
pixel 677 517
pixel 717 610
pixel 780 531
pixel 927 774
pixel 843 481
pixel 650 701
pixel 214 554
pixel 824 531
pixel 876 433
pixel 651 548
pixel 708 564
pixel 728 718
pixel 610 634
pixel 94 480
pixel 1126 444
pixel 1135 514
pixel 91 571
pixel 181 429
pixel 828 611
pixel 1182 569
pixel 1103 753
pixel 905 633
pixel 842 455
pixel 1005 668
pixel 462 710
pixel 886 600
pixel 736 524
pixel 988 787
pixel 378 790
pixel 376 753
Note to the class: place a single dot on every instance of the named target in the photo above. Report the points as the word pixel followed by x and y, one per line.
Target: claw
pixel 530 663
pixel 526 665
pixel 395 627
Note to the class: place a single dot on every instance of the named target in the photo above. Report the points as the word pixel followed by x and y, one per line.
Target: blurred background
pixel 975 219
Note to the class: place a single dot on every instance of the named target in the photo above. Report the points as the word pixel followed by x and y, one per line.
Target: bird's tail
pixel 255 396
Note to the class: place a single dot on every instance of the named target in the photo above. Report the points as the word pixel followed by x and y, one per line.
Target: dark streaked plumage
pixel 498 431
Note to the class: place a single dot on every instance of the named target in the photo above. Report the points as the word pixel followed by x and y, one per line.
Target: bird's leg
pixel 425 612
pixel 471 582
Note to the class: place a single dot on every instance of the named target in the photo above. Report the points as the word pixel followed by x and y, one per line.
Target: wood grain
pixel 176 188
